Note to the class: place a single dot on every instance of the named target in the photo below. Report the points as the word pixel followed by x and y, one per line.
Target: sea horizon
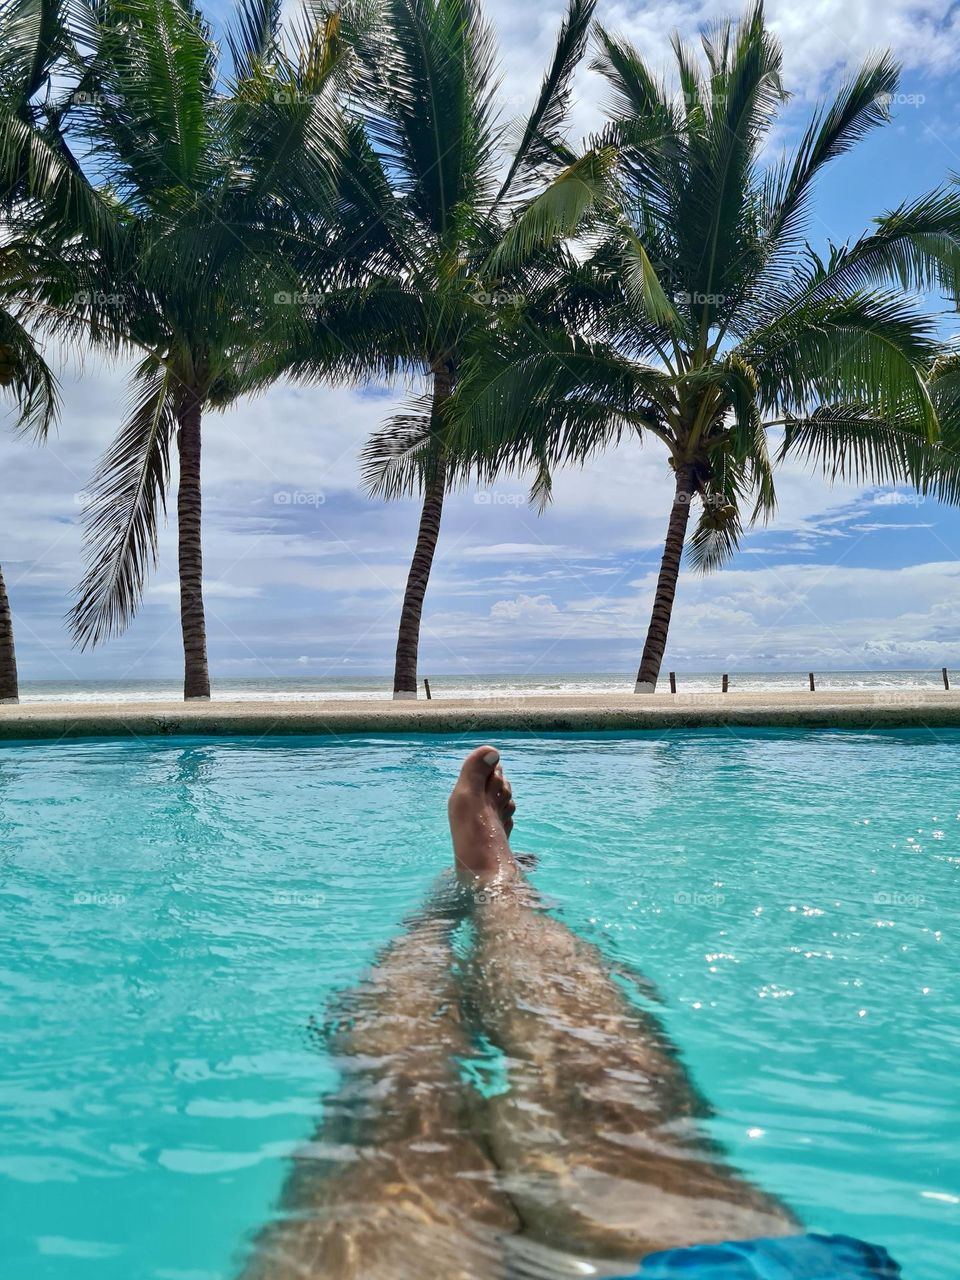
pixel 292 688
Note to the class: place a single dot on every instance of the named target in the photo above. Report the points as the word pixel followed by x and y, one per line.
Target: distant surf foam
pixel 325 689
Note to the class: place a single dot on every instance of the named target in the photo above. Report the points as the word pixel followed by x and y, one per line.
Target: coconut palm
pixel 448 216
pixel 211 175
pixel 27 381
pixel 9 684
pixel 38 188
pixel 712 324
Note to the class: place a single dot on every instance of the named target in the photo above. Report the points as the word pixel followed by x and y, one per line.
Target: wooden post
pixel 726 683
pixel 946 678
pixel 813 687
pixel 673 682
pixel 426 685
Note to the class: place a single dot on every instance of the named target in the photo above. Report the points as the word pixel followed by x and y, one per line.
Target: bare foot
pixel 481 810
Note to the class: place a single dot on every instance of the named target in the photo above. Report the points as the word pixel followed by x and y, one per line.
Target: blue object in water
pixel 809 1257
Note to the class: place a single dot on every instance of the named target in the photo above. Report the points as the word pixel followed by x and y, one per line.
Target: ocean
pixel 328 688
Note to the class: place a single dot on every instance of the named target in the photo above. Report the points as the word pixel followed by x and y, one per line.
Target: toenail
pixel 491 758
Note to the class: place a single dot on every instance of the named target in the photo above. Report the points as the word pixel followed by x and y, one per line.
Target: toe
pixel 479 767
pixel 497 779
pixel 499 790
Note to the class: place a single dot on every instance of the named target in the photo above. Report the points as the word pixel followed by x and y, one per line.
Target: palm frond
pixel 693 88
pixel 557 213
pixel 715 221
pixel 358 333
pixel 285 118
pixel 559 399
pixel 432 107
pixel 635 92
pixel 395 459
pixel 26 378
pixel 252 35
pixel 861 105
pixel 717 533
pixel 58 193
pixel 126 501
pixel 869 348
pixel 150 118
pixel 849 443
pixel 542 143
pixel 916 246
pixel 643 285
pixel 541 489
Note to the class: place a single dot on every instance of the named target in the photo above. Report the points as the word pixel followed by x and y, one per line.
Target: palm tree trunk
pixel 666 584
pixel 9 689
pixel 408 636
pixel 196 677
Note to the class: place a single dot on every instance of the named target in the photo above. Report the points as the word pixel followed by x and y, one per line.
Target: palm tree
pixel 9 684
pixel 208 181
pixel 37 188
pixel 712 323
pixel 443 227
pixel 25 378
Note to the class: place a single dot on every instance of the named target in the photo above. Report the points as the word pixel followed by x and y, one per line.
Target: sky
pixel 304 575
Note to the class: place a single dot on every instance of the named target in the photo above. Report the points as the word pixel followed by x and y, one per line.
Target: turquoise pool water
pixel 176 912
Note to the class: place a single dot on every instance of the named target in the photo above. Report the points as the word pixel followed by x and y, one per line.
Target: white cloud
pixel 822 40
pixel 522 608
pixel 213 589
pixel 516 550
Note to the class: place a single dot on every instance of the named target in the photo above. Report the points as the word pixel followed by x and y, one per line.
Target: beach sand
pixel 860 709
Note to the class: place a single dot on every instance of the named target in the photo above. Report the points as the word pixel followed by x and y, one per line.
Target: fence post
pixel 946 678
pixel 726 682
pixel 813 687
pixel 426 685
pixel 673 682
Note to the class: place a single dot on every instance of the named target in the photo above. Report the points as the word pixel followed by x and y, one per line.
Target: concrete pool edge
pixel 859 709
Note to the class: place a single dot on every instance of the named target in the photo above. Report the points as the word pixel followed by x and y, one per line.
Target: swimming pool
pixel 176 913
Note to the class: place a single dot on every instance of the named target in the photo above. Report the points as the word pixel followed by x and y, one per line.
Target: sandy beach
pixel 861 709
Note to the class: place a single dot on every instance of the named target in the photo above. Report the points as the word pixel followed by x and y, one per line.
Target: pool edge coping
pixel 857 710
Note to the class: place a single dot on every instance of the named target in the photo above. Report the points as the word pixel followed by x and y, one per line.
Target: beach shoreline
pixel 860 709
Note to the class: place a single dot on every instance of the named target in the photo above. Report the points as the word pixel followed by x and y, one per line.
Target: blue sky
pixel 304 575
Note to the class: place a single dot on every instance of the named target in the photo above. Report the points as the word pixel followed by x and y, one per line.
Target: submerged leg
pixel 393 1186
pixel 597 1136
